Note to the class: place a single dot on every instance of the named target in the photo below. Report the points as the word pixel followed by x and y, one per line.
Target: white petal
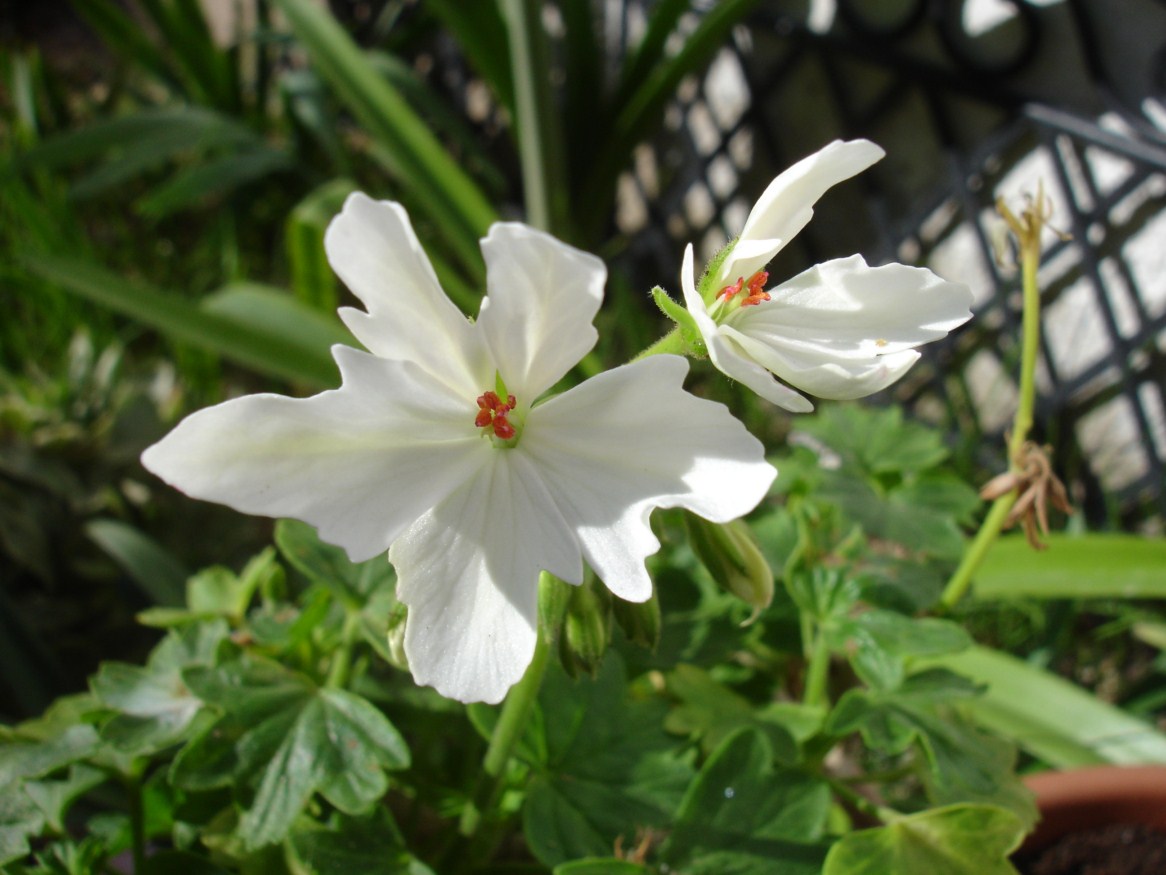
pixel 787 205
pixel 468 570
pixel 360 463
pixel 728 357
pixel 632 439
pixel 542 298
pixel 838 379
pixel 373 249
pixel 739 363
pixel 843 309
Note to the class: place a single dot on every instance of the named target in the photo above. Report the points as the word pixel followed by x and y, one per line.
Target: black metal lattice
pixel 965 118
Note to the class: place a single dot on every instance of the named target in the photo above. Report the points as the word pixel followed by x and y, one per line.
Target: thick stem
pixel 512 722
pixel 341 665
pixel 974 556
pixel 673 342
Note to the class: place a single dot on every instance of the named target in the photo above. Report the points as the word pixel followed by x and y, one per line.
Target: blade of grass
pixel 1075 567
pixel 536 119
pixel 641 112
pixel 312 279
pixel 437 182
pixel 258 348
pixel 219 176
pixel 481 34
pixel 157 573
pixel 1049 717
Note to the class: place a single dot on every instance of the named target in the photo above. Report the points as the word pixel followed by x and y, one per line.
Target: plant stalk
pixel 1027 230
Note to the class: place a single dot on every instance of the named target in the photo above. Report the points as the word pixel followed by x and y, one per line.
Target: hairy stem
pixel 1028 233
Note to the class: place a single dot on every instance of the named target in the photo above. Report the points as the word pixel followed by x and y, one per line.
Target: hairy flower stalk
pixel 1028 476
pixel 839 330
pixel 443 448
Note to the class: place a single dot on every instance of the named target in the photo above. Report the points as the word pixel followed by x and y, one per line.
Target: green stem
pixel 133 786
pixel 512 722
pixel 673 342
pixel 974 556
pixel 341 664
pixel 817 672
pixel 861 803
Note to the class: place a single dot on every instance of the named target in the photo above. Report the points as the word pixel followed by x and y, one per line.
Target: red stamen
pixel 728 291
pixel 757 293
pixel 492 414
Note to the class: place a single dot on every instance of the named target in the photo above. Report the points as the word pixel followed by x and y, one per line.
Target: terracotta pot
pixel 1096 796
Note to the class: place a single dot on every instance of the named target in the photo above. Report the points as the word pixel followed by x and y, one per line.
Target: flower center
pixel 497 418
pixel 754 290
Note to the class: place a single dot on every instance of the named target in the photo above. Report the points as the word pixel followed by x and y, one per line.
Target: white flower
pixel 439 448
pixel 839 330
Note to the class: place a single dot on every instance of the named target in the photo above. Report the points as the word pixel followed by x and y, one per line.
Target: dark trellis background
pixel 1069 94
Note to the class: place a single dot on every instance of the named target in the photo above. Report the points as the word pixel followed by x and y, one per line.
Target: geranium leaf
pixel 292 739
pixel 369 845
pixel 156 707
pixel 604 767
pixel 742 815
pixel 957 840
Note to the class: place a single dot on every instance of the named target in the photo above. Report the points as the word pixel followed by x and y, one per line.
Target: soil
pixel 1116 849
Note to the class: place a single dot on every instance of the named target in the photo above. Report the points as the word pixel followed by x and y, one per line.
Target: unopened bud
pixel 640 621
pixel 397 619
pixel 586 629
pixel 733 558
pixel 553 597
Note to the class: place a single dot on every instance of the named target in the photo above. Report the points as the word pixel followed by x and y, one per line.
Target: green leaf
pixel 437 183
pixel 1049 717
pixel 1075 567
pixel 213 178
pixel 712 712
pixel 329 565
pixel 272 311
pixel 603 766
pixel 601 866
pixel 54 798
pixel 293 739
pixel 180 863
pixel 957 840
pixel 20 819
pixel 183 321
pixel 21 759
pixel 368 845
pixel 156 571
pixel 877 440
pixel 741 815
pixel 155 706
pixel 312 279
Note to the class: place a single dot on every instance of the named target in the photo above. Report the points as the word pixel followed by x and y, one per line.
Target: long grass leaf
pixel 1050 717
pixel 215 178
pixel 1075 567
pixel 536 119
pixel 156 572
pixel 313 281
pixel 125 37
pixel 435 180
pixel 642 110
pixel 481 34
pixel 255 347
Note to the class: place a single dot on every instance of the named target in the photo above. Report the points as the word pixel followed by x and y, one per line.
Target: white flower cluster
pixel 443 447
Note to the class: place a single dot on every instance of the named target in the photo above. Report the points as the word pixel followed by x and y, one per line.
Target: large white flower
pixel 440 448
pixel 839 330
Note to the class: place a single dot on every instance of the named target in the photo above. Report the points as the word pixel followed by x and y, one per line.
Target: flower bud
pixel 586 629
pixel 396 635
pixel 733 558
pixel 640 621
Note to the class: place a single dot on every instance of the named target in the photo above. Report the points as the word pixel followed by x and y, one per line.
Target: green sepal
pixel 712 269
pixel 674 311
